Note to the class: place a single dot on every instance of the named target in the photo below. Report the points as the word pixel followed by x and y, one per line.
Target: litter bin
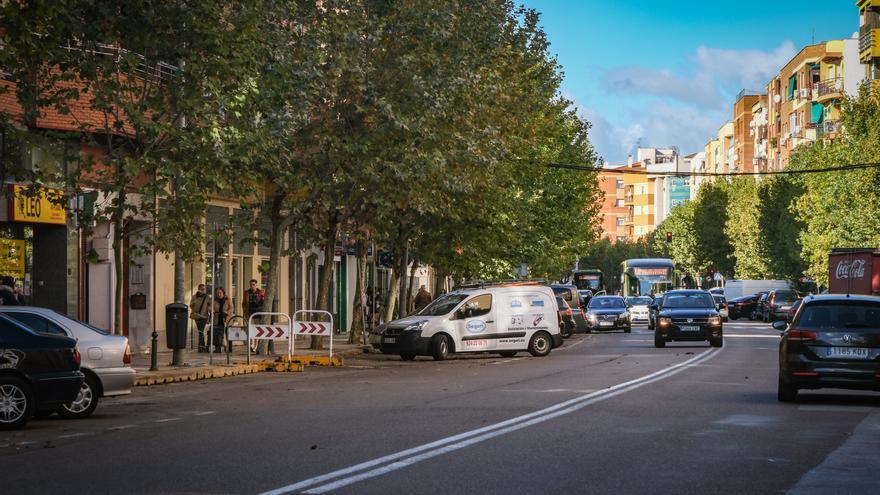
pixel 175 325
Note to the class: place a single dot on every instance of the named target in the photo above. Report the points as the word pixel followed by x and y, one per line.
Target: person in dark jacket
pixel 222 315
pixel 9 294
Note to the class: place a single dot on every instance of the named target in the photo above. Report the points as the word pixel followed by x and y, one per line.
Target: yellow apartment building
pixel 869 39
pixel 639 199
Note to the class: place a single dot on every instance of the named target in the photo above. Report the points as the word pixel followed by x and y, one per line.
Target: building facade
pixel 869 39
pixel 614 212
pixel 743 132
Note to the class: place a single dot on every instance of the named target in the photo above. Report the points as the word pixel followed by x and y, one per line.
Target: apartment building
pixel 695 163
pixel 614 212
pixel 758 134
pixel 719 151
pixel 869 39
pixel 639 199
pixel 743 133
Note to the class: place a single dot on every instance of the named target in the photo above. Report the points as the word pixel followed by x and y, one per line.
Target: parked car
pixel 486 317
pixel 688 315
pixel 758 312
pixel 717 291
pixel 37 372
pixel 777 304
pixel 833 342
pixel 740 288
pixel 572 297
pixel 793 310
pixel 638 308
pixel 566 317
pixel 723 308
pixel 106 360
pixel 741 307
pixel 608 313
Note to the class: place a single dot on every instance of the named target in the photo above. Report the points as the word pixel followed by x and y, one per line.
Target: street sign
pixel 236 334
pixel 275 331
pixel 311 328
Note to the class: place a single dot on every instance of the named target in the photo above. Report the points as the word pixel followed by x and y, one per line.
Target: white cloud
pixel 743 69
pixel 700 89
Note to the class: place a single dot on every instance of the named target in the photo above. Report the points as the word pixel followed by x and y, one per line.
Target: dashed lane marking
pixel 74 435
pixel 203 413
pixel 166 420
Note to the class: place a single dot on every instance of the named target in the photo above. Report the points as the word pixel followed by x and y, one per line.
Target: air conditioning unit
pixel 805 92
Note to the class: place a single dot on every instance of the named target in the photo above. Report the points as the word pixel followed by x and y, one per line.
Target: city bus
pixel 589 279
pixel 646 276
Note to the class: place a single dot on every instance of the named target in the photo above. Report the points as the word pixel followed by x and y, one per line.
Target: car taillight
pixel 77 358
pixel 801 335
pixel 126 356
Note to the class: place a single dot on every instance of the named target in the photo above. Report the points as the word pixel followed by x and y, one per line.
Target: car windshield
pixel 785 296
pixel 90 327
pixel 688 300
pixel 639 301
pixel 839 315
pixel 607 303
pixel 443 305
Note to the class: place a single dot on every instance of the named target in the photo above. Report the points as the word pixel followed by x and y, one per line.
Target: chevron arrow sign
pixel 275 331
pixel 311 328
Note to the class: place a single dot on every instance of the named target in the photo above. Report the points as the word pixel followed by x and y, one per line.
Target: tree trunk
pixel 358 322
pixel 326 279
pixel 118 227
pixel 393 287
pixel 409 285
pixel 402 303
pixel 439 284
pixel 278 225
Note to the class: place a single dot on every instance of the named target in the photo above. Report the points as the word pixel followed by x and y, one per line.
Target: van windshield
pixel 443 305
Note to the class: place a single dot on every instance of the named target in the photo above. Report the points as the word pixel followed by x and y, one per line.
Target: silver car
pixel 106 358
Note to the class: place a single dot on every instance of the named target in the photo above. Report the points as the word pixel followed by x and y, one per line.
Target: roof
pixel 649 262
pixel 841 297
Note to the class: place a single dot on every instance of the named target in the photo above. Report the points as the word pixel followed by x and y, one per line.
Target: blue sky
pixel 666 72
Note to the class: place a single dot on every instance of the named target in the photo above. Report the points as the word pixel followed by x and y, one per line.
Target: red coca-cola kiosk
pixel 854 271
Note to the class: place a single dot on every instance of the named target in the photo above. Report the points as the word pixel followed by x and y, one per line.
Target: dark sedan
pixel 608 313
pixel 742 307
pixel 688 315
pixel 833 342
pixel 38 372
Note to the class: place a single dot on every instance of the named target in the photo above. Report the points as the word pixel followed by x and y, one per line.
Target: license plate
pixel 605 323
pixel 848 352
pixel 390 340
pixel 689 328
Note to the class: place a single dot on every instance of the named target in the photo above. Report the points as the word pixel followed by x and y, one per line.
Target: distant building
pixel 696 163
pixel 614 211
pixel 869 39
pixel 743 132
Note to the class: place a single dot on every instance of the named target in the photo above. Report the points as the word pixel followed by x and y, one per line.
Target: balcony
pixel 829 89
pixel 828 129
pixel 869 43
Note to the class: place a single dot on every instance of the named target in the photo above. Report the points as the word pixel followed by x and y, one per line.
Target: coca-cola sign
pixel 850 269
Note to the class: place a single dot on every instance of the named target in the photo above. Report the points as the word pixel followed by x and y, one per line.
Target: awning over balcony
pixel 817 113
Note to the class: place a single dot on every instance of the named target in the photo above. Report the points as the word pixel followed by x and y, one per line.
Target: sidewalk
pixel 199 366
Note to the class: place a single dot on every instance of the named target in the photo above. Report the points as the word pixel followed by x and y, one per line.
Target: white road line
pixel 413 455
pixel 121 427
pixel 74 435
pixel 166 420
pixel 203 413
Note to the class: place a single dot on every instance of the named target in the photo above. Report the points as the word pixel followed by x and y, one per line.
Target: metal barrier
pixel 316 328
pixel 235 333
pixel 270 331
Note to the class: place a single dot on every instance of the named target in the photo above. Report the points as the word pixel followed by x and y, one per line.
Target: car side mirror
pixel 780 325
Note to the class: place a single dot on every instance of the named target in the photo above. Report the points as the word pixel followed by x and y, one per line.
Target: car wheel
pixel 565 332
pixel 85 402
pixel 716 342
pixel 659 342
pixel 507 354
pixel 540 345
pixel 16 402
pixel 407 356
pixel 440 347
pixel 627 329
pixel 650 325
pixel 785 391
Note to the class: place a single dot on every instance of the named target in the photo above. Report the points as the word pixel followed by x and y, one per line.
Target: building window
pixel 619 203
pixel 620 220
pixel 620 183
pixel 621 238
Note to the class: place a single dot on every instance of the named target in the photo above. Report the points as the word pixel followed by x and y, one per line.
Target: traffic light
pixel 668 236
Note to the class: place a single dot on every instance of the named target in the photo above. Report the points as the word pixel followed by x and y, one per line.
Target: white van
pixel 739 288
pixel 503 318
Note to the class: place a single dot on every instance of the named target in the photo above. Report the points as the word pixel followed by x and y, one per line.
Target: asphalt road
pixel 606 413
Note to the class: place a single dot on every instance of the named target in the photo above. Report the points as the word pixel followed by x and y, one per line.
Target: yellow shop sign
pixel 36 208
pixel 12 257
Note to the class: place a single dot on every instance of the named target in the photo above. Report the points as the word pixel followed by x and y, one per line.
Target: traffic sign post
pixel 270 331
pixel 305 327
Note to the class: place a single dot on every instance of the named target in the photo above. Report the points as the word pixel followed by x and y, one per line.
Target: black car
pixel 608 313
pixel 688 315
pixel 572 296
pixel 742 307
pixel 777 305
pixel 566 317
pixel 833 342
pixel 38 372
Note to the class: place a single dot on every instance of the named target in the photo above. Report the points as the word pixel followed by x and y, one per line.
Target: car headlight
pixel 592 317
pixel 416 326
pixel 714 320
pixel 624 316
pixel 663 321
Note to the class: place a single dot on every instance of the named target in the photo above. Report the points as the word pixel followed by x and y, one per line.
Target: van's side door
pixel 476 325
pixel 512 319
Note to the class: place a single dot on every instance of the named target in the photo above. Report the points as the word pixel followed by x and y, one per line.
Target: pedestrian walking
pixel 10 295
pixel 423 298
pixel 200 313
pixel 252 302
pixel 222 315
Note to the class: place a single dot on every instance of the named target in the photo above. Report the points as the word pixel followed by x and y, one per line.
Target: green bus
pixel 588 279
pixel 646 276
